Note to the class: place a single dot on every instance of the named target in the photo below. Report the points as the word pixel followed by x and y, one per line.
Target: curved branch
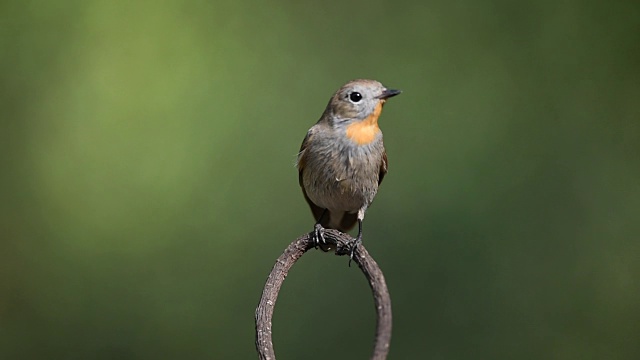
pixel 342 243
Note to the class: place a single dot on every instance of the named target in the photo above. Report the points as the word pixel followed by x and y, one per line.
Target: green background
pixel 148 186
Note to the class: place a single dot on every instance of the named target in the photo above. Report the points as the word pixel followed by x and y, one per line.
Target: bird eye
pixel 355 96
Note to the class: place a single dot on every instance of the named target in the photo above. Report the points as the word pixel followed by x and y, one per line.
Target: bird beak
pixel 387 93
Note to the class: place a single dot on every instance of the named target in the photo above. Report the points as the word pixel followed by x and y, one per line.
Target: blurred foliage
pixel 148 183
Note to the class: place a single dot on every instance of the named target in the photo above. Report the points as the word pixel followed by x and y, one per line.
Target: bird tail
pixel 342 221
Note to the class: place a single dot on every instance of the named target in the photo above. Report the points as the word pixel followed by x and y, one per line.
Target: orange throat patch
pixel 365 131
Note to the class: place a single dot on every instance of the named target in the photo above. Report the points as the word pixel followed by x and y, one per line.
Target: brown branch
pixel 342 243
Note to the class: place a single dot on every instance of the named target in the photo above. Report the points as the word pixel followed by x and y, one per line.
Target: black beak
pixel 387 93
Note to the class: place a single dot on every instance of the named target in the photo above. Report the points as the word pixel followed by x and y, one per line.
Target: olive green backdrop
pixel 148 185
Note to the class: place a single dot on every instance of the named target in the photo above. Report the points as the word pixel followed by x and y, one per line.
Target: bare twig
pixel 342 243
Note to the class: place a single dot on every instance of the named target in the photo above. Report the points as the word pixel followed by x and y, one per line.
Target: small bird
pixel 342 160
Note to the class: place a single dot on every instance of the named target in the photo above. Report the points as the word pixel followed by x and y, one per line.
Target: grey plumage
pixel 338 175
pixel 342 159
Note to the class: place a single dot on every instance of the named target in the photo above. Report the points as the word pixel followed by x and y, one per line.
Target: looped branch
pixel 342 244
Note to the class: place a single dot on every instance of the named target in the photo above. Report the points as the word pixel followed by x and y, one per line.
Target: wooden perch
pixel 342 243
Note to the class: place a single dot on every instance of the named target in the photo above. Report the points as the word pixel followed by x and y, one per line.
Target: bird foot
pixel 317 236
pixel 354 245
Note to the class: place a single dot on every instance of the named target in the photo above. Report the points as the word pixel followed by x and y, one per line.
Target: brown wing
pixel 302 162
pixel 383 167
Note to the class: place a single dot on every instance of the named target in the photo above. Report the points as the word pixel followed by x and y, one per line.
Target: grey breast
pixel 341 175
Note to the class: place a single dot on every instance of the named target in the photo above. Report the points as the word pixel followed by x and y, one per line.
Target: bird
pixel 342 160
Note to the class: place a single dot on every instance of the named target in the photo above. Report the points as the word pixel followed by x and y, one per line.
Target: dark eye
pixel 355 96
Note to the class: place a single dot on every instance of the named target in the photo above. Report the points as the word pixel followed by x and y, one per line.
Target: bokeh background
pixel 148 185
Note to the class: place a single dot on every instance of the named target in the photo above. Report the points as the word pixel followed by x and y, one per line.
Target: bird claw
pixel 354 245
pixel 318 236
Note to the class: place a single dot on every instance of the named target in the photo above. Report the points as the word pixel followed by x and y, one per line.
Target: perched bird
pixel 342 160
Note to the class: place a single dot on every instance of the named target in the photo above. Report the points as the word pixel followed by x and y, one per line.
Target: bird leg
pixel 356 242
